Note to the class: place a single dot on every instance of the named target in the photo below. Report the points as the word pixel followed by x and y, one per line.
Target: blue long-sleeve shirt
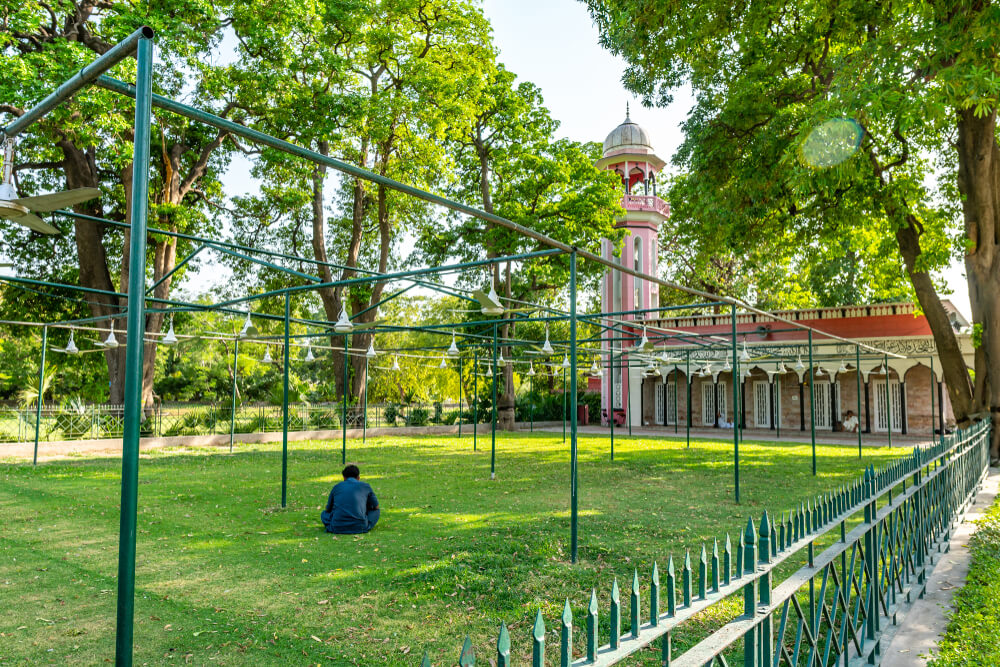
pixel 348 506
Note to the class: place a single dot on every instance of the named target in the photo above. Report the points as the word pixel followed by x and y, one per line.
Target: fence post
pixel 766 630
pixel 284 403
pixel 749 558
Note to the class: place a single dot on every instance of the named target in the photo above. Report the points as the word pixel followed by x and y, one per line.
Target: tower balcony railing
pixel 645 203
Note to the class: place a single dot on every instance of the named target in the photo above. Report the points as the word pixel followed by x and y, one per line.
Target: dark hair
pixel 351 471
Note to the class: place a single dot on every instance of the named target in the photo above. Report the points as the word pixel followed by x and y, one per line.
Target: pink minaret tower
pixel 628 153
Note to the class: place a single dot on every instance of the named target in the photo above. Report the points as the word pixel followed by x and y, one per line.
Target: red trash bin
pixel 582 414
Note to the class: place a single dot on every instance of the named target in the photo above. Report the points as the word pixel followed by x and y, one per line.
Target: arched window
pixel 637 264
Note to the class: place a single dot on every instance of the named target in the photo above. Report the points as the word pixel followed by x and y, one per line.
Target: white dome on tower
pixel 627 137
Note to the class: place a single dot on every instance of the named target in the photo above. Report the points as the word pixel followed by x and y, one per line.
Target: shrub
pixel 390 414
pixel 449 418
pixel 438 411
pixel 417 417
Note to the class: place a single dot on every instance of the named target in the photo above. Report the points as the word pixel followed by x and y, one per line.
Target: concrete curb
pixel 913 640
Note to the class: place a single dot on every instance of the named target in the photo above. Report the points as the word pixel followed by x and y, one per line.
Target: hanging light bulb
pixel 565 363
pixel 248 328
pixel 746 373
pixel 395 363
pixel 443 364
pixel 309 354
pixel 651 370
pixel 781 368
pixel 267 355
pixel 727 367
pixel 820 371
pixel 547 347
pixel 706 371
pixel 71 347
pixel 453 349
pixel 500 359
pixel 531 369
pixel 370 354
pixel 595 371
pixel 489 371
pixel 171 337
pixel 111 341
pixel 843 367
pixel 799 365
pixel 343 324
pixel 744 355
pixel 494 307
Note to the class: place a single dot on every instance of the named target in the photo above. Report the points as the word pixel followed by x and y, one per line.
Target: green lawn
pixel 224 576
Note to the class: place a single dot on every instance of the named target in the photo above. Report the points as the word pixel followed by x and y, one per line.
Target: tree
pixel 87 143
pixel 818 120
pixel 511 164
pixel 376 83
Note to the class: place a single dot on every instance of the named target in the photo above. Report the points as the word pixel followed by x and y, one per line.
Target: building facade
pixel 676 380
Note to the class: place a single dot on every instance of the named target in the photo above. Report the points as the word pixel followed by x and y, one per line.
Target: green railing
pixel 831 611
pixel 85 422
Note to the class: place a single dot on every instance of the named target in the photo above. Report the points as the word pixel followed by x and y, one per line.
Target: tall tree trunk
pixel 979 182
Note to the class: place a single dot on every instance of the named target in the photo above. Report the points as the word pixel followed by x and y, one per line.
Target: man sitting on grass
pixel 352 507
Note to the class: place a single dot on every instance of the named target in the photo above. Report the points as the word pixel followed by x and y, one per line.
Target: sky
pixel 554 44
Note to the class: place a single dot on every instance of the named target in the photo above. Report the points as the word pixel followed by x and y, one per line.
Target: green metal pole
pixel 677 414
pixel 232 415
pixel 932 400
pixel 564 405
pixel 888 398
pixel 812 402
pixel 777 404
pixel 687 382
pixel 343 412
pixel 284 404
pixel 41 386
pixel 736 402
pixel 493 434
pixel 574 478
pixel 611 398
pixel 364 407
pixel 857 365
pixel 135 330
pixel 460 398
pixel 475 399
pixel 531 403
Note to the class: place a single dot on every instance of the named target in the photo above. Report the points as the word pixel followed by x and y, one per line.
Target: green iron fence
pixel 831 611
pixel 84 422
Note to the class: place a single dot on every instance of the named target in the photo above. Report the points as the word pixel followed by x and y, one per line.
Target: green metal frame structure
pixel 140 46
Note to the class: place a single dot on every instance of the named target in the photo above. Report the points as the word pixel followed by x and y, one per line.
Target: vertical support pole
pixel 135 329
pixel 888 399
pixel 627 392
pixel 286 361
pixel 931 385
pixel 364 408
pixel 857 366
pixel 459 397
pixel 41 387
pixel 343 410
pixel 687 381
pixel 232 414
pixel 736 398
pixel 611 398
pixel 564 405
pixel 677 414
pixel 531 403
pixel 493 446
pixel 812 403
pixel 475 399
pixel 574 479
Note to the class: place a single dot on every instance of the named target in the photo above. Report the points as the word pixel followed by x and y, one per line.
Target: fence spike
pixel 592 642
pixel 774 542
pixel 765 538
pixel 616 616
pixel 727 561
pixel 426 662
pixel 686 579
pixel 538 641
pixel 654 595
pixel 702 574
pixel 467 658
pixel 715 565
pixel 671 587
pixel 503 646
pixel 566 636
pixel 739 554
pixel 634 603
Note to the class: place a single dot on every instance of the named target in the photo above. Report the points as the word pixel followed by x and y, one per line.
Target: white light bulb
pixel 565 363
pixel 395 364
pixel 267 355
pixel 370 354
pixel 309 354
pixel 71 347
pixel 453 348
pixel 111 341
pixel 799 365
pixel 343 324
pixel 171 337
pixel 547 347
pixel 531 370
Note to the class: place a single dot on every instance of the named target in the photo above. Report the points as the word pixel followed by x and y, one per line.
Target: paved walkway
pixel 924 624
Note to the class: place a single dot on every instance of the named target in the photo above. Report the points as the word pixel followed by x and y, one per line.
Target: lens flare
pixel 831 142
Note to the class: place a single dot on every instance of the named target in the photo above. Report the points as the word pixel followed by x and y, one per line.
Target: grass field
pixel 224 576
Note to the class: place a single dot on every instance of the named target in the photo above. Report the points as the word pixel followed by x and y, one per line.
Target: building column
pixel 775 388
pixel 868 407
pixel 715 401
pixel 902 406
